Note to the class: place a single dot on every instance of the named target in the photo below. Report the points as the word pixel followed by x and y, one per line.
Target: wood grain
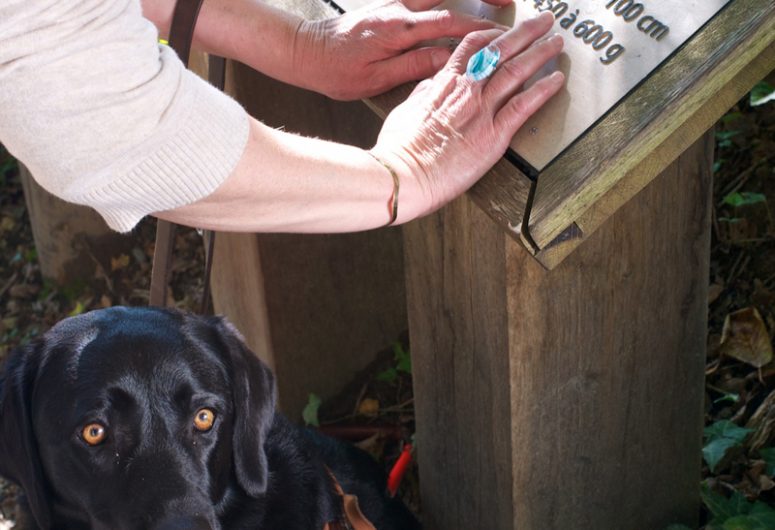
pixel 646 119
pixel 638 177
pixel 589 400
pixel 317 308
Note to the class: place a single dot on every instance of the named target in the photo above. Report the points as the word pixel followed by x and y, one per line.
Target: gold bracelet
pixel 393 203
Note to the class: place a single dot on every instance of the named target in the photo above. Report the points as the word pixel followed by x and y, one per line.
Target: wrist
pixel 312 56
pixel 413 199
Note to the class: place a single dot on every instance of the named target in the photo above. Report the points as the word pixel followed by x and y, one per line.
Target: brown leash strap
pixel 180 38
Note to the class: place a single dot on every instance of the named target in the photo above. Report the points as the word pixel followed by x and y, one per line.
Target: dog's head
pixel 135 418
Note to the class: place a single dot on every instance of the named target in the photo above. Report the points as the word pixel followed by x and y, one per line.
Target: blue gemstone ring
pixel 482 64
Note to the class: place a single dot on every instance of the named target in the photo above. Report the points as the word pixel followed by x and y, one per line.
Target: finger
pixel 420 5
pixel 519 108
pixel 523 35
pixel 430 25
pixel 512 74
pixel 472 43
pixel 410 66
pixel 499 3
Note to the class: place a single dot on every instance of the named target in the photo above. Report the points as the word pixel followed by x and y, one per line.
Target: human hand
pixel 451 129
pixel 373 49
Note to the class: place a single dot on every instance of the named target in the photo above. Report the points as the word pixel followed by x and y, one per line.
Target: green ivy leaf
pixel 715 451
pixel 402 358
pixel 722 508
pixel 760 517
pixel 762 93
pixel 310 412
pixel 388 376
pixel 744 198
pixel 768 455
pixel 725 429
pixel 720 437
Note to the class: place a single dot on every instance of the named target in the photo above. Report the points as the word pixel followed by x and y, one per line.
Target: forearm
pixel 289 183
pixel 249 31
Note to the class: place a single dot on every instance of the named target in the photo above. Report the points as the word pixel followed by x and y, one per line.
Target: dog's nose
pixel 184 523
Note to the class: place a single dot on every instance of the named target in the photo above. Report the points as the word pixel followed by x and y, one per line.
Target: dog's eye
pixel 204 420
pixel 94 434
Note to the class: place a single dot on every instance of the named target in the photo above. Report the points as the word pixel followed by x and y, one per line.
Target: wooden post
pixel 317 308
pixel 68 237
pixel 568 398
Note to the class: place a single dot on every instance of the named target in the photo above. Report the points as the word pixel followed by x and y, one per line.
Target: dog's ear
pixel 253 393
pixel 19 459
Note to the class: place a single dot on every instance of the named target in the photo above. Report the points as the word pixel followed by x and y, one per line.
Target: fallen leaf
pixel 714 291
pixel 745 338
pixel 119 262
pixel 368 407
pixel 762 421
pixel 7 224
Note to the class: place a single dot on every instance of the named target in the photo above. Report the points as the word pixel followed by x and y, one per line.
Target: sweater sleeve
pixel 104 116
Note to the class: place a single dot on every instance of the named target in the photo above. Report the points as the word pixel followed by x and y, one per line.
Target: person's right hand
pixel 451 130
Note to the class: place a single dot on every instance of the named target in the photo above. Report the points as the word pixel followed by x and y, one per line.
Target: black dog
pixel 142 418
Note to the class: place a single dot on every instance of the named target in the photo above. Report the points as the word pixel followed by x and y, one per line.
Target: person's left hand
pixel 373 49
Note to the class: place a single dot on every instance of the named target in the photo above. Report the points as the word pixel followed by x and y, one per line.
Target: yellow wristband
pixel 393 202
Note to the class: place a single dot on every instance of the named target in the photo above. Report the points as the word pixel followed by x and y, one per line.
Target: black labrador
pixel 140 418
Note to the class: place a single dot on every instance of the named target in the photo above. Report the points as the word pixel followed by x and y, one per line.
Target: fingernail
pixel 439 59
pixel 555 39
pixel 547 15
pixel 557 77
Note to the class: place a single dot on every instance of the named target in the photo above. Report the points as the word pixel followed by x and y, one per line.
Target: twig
pixel 740 263
pixel 742 178
pixel 10 283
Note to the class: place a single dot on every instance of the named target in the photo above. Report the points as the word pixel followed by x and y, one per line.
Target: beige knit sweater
pixel 104 116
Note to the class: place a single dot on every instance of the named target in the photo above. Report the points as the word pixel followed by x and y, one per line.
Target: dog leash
pixel 180 38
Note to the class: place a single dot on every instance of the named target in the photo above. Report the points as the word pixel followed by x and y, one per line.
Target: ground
pixel 739 455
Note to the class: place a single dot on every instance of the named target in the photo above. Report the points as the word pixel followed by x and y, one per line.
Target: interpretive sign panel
pixel 610 47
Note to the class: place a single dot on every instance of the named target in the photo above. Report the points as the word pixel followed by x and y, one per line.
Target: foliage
pixel 719 438
pixel 762 93
pixel 403 363
pixel 736 512
pixel 310 412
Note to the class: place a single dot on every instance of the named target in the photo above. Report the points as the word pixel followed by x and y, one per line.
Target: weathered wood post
pixel 568 398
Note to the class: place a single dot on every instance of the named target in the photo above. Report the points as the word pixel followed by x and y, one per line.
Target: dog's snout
pixel 184 523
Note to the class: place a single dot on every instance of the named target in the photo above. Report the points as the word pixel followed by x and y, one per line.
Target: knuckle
pixel 519 108
pixel 444 18
pixel 476 39
pixel 514 69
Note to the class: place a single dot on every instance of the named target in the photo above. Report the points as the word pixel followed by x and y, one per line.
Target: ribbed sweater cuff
pixel 186 164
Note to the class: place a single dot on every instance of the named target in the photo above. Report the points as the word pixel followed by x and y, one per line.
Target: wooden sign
pixel 582 159
pixel 610 47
